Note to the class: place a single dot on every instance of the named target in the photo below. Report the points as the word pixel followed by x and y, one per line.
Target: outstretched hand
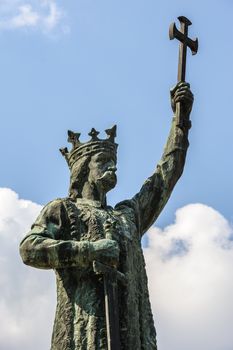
pixel 182 93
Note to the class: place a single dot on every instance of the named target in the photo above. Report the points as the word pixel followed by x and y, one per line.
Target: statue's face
pixel 102 171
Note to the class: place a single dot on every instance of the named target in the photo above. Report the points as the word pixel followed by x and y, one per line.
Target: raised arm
pixel 156 190
pixel 50 246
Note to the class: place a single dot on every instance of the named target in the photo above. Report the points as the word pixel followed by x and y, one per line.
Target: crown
pixel 94 145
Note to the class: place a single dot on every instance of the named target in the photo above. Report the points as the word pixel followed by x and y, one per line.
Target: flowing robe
pixel 59 240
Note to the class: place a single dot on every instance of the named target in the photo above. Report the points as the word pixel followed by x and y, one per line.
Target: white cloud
pixel 54 16
pixel 44 15
pixel 26 18
pixel 189 265
pixel 27 296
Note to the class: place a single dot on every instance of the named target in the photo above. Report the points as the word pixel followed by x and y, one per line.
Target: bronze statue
pixel 95 250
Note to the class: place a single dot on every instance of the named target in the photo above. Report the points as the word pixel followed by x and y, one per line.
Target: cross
pixel 185 42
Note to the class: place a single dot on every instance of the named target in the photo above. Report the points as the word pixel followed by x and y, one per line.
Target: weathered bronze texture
pixel 95 249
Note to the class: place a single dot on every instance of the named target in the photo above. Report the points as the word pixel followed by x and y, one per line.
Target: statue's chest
pixel 92 222
pixel 88 223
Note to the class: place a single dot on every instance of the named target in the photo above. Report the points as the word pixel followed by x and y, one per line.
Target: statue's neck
pixel 91 192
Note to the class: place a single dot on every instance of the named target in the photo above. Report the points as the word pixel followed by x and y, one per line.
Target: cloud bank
pixel 189 266
pixel 27 296
pixel 44 15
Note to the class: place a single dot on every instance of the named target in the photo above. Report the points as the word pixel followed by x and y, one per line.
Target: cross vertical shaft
pixel 182 54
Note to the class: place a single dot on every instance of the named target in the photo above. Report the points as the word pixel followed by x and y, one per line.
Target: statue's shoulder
pixel 55 203
pixel 54 211
pixel 127 206
pixel 129 209
pixel 54 207
pixel 122 204
pixel 66 203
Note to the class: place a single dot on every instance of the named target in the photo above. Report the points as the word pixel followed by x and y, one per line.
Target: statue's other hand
pixel 182 93
pixel 105 251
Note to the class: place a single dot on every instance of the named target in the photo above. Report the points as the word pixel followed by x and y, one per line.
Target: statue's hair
pixel 78 177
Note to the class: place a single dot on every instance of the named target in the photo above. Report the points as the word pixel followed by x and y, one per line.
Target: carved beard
pixel 107 181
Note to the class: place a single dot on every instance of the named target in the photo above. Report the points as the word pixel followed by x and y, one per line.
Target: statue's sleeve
pixel 48 246
pixel 156 190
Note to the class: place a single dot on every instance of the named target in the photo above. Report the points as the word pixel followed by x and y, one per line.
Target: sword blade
pixel 111 277
pixel 111 311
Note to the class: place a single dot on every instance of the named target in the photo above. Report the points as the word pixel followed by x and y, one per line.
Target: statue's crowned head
pixel 93 161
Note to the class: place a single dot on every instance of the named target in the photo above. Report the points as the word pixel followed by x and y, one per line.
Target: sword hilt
pixel 102 269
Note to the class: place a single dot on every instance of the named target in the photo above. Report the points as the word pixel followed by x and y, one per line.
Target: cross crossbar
pixel 185 41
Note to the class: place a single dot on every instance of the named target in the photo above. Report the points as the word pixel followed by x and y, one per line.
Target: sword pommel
pixel 102 269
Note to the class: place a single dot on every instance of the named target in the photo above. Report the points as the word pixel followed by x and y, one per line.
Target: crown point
pixel 64 151
pixel 73 137
pixel 94 134
pixel 111 133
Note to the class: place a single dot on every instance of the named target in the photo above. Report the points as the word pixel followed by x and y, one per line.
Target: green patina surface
pixel 70 233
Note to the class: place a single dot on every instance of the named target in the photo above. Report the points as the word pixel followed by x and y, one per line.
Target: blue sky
pixel 111 62
pixel 82 64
